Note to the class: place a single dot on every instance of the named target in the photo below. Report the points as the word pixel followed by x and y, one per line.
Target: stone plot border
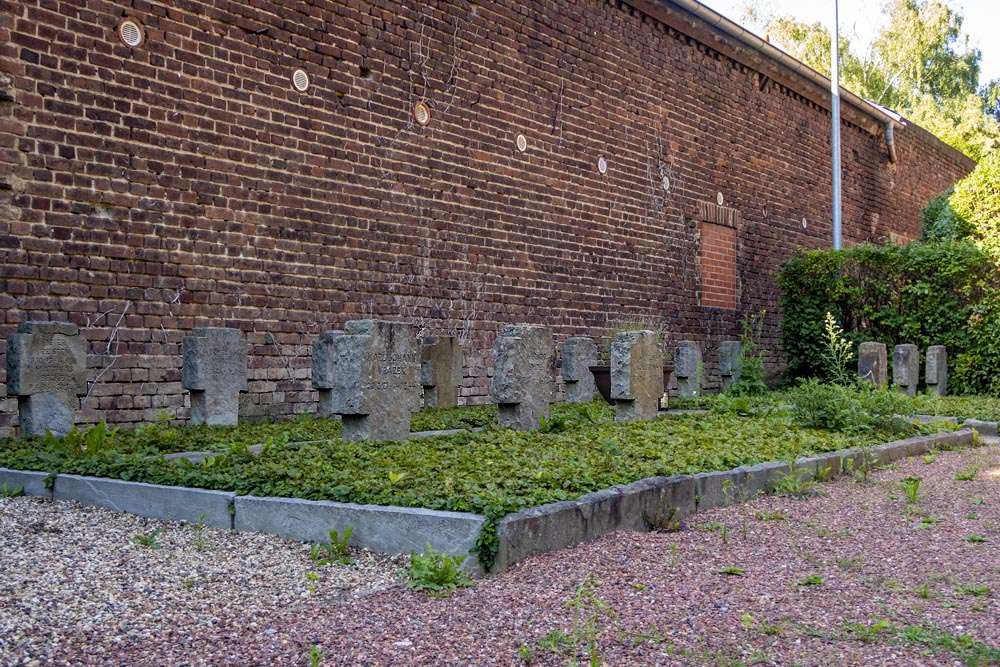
pixel 520 535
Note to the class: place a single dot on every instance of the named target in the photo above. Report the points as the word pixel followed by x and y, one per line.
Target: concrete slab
pixel 33 483
pixel 719 489
pixel 984 428
pixel 153 500
pixel 389 530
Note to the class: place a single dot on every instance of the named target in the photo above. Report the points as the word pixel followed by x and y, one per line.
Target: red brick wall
pixel 186 183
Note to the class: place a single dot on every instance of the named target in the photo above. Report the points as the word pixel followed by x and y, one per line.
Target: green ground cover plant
pixel 491 472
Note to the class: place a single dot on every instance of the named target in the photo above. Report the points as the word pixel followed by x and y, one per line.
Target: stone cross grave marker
pixel 578 355
pixel 440 370
pixel 524 362
pixel 375 378
pixel 322 371
pixel 636 375
pixel 873 363
pixel 730 362
pixel 47 371
pixel 936 370
pixel 687 364
pixel 215 372
pixel 906 368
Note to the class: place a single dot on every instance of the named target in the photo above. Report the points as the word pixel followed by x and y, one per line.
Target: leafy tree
pixel 920 64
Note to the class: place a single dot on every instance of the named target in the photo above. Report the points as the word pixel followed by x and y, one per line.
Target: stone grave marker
pixel 524 361
pixel 873 363
pixel 440 370
pixel 47 371
pixel 578 355
pixel 906 368
pixel 375 378
pixel 730 362
pixel 636 375
pixel 936 370
pixel 215 372
pixel 322 371
pixel 687 364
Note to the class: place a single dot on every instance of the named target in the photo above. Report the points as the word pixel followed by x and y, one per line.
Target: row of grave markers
pixel 375 373
pixel 873 367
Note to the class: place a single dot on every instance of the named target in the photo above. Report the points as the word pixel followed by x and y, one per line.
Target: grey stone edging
pixel 520 535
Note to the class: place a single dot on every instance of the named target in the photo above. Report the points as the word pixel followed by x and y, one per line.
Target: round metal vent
pixel 522 143
pixel 131 33
pixel 804 223
pixel 666 184
pixel 300 80
pixel 602 165
pixel 421 113
pixel 719 199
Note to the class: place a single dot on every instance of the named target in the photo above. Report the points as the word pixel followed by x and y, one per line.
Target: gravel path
pixel 854 576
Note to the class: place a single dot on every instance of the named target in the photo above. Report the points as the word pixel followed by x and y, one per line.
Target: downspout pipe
pixel 890 143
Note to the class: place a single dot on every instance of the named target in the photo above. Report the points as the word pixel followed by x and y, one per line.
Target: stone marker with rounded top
pixel 873 363
pixel 322 371
pixel 578 355
pixel 523 386
pixel 375 380
pixel 730 362
pixel 636 375
pixel 215 372
pixel 936 370
pixel 440 370
pixel 687 363
pixel 906 368
pixel 47 371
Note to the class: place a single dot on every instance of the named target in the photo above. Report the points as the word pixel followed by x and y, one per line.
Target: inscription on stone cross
pixel 524 360
pixel 375 380
pixel 47 371
pixel 636 375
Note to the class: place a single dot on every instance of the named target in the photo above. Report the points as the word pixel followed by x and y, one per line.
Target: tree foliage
pixel 920 64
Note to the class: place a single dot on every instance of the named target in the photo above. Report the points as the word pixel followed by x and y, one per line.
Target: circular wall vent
pixel 602 165
pixel 131 33
pixel 666 184
pixel 300 80
pixel 804 223
pixel 522 143
pixel 421 113
pixel 720 200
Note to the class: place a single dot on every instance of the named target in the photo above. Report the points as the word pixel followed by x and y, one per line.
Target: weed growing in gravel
pixel 929 522
pixel 592 617
pixel 732 571
pixel 8 492
pixel 964 648
pixel 315 656
pixel 972 590
pixel 776 515
pixel 333 552
pixel 200 542
pixel 930 457
pixel 911 487
pixel 663 523
pixel 975 538
pixel 149 540
pixel 312 586
pixel 968 475
pixel 436 573
pixel 868 632
pixel 811 580
pixel 851 562
pixel 795 484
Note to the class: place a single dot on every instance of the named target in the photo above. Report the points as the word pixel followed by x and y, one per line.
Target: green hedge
pixel 934 292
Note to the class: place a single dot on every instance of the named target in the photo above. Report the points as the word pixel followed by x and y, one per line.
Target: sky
pixel 860 20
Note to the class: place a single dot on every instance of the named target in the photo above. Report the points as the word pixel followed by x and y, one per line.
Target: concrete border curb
pixel 537 530
pixel 389 530
pixel 175 503
pixel 32 482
